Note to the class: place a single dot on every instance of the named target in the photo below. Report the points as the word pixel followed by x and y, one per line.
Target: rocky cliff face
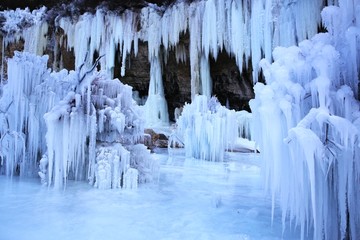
pixel 81 5
pixel 232 88
pixel 210 47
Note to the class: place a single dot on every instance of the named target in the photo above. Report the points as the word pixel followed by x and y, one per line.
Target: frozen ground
pixel 192 200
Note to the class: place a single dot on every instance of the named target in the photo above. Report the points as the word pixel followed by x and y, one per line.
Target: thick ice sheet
pixel 192 200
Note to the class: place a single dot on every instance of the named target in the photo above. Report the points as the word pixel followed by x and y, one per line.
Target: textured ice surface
pixel 192 200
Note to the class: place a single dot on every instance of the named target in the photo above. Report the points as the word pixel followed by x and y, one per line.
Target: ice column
pixel 156 107
pixel 206 82
pixel 194 28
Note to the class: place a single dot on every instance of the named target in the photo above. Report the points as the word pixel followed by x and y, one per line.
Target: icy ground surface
pixel 192 200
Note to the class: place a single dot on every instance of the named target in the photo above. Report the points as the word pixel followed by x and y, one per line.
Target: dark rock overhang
pixel 82 5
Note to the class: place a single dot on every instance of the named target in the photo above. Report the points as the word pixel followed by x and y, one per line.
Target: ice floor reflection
pixel 191 200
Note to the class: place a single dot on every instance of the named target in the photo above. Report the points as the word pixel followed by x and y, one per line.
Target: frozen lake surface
pixel 192 200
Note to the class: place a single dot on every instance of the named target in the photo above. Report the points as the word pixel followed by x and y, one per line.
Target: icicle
pixel 173 23
pixel 237 31
pixel 180 54
pixel 128 38
pixel 151 23
pixel 35 38
pixel 221 27
pixel 101 33
pixel 209 30
pixel 257 40
pixel 2 65
pixel 206 82
pixel 194 28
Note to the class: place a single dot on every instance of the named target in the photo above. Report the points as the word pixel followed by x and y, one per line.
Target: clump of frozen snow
pixel 29 26
pixel 14 21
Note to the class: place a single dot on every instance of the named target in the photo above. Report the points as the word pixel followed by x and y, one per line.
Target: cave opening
pixel 176 76
pixel 233 88
pixel 137 70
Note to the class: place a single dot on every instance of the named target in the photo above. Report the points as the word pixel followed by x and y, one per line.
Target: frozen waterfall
pixel 244 29
pixel 306 121
pixel 84 125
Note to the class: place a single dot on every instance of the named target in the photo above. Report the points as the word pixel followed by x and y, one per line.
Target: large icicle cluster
pixel 208 129
pixel 307 123
pixel 244 29
pixel 82 126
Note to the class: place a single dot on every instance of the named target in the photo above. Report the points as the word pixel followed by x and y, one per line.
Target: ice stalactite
pixel 81 126
pixel 208 129
pixel 194 30
pixel 101 33
pixel 18 108
pixel 156 107
pixel 206 82
pixel 244 29
pixel 241 28
pixel 36 38
pixel 2 64
pixel 238 31
pixel 306 121
pixel 209 41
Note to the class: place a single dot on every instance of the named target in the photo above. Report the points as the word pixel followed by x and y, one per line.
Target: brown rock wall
pixel 229 85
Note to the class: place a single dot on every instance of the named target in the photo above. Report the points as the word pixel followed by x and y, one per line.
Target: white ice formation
pixel 306 121
pixel 244 29
pixel 83 126
pixel 208 129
